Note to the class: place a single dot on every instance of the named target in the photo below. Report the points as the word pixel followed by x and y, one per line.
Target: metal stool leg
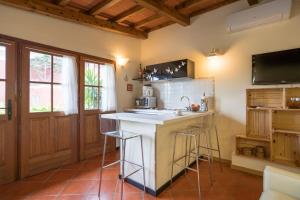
pixel 142 151
pixel 123 166
pixel 185 158
pixel 102 164
pixel 218 145
pixel 209 156
pixel 173 158
pixel 210 146
pixel 197 163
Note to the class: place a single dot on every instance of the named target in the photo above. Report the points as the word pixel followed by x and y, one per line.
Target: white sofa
pixel 280 184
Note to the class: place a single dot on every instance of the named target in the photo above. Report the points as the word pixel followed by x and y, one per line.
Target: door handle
pixel 9 109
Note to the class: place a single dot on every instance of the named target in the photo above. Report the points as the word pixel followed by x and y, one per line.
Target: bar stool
pixel 123 136
pixel 189 134
pixel 205 128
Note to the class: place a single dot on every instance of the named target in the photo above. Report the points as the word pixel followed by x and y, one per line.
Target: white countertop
pixel 160 117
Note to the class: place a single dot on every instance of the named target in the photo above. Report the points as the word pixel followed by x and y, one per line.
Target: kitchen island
pixel 157 129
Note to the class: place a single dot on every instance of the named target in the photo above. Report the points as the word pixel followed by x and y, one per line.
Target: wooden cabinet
pixel 272 126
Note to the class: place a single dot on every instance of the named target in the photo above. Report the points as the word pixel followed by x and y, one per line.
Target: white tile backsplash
pixel 169 93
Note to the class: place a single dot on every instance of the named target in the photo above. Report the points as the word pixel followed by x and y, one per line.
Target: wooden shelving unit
pixel 271 126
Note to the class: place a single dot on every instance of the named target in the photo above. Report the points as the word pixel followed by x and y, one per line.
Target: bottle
pixel 203 104
pixel 141 72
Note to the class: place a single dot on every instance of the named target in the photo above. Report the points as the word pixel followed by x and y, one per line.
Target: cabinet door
pixel 8 158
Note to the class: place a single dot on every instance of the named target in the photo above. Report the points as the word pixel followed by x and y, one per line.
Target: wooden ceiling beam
pixel 162 9
pixel 146 21
pixel 252 2
pixel 62 2
pixel 49 9
pixel 213 7
pixel 187 4
pixel 102 6
pixel 160 26
pixel 128 13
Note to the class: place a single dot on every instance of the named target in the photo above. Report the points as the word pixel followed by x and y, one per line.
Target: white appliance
pixel 145 102
pixel 147 91
pixel 260 14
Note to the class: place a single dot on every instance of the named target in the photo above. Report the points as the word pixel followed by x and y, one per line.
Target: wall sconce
pixel 121 61
pixel 214 57
pixel 214 53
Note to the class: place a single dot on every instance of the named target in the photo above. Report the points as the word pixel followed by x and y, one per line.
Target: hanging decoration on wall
pixel 168 70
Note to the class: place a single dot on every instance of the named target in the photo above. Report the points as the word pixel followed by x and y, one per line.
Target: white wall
pixel 234 75
pixel 71 36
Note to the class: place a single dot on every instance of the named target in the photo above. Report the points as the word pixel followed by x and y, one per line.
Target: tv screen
pixel 282 67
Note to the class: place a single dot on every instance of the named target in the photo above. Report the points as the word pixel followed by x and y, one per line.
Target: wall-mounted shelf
pixel 273 125
pixel 286 131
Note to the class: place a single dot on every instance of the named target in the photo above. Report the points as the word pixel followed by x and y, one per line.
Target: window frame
pixel 51 82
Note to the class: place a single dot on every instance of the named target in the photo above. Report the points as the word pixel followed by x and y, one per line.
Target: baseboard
pixel 160 189
pixel 246 170
pixel 168 183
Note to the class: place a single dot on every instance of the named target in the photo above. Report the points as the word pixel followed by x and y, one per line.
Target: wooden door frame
pixel 11 80
pixel 19 44
pixel 82 111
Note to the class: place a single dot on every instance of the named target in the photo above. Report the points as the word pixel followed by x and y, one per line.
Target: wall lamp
pixel 122 61
pixel 213 58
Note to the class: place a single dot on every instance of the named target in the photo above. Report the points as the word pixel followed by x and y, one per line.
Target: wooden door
pixel 48 136
pixel 8 84
pixel 91 140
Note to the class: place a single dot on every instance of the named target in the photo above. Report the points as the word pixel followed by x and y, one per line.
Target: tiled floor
pixel 80 181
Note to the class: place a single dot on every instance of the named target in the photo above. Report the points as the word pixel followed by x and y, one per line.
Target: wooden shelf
pixel 286 109
pixel 253 138
pixel 286 131
pixel 243 142
pixel 273 125
pixel 286 162
pixel 259 108
pixel 254 157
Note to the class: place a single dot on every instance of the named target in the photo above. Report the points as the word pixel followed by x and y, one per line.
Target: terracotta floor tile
pixel 81 181
pixel 75 166
pixel 51 188
pixel 63 175
pixel 22 188
pixel 40 177
pixel 92 174
pixel 78 187
pixel 185 195
pixel 107 186
pixel 110 173
pixel 42 197
pixel 71 197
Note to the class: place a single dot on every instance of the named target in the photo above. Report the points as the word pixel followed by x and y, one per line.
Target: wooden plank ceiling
pixel 134 18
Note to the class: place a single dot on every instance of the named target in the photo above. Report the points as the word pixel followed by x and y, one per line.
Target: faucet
pixel 189 108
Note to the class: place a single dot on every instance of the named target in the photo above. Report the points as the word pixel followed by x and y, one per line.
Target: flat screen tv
pixel 282 67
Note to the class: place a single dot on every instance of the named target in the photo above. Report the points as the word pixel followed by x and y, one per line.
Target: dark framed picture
pixel 129 87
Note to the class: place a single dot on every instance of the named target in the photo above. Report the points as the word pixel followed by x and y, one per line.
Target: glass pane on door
pixel 91 98
pixel 2 97
pixel 91 74
pixel 57 69
pixel 2 62
pixel 58 98
pixel 40 67
pixel 40 97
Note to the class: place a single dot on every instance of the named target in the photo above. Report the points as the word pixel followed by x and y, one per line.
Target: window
pixel 92 86
pixel 45 82
pixel 2 79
